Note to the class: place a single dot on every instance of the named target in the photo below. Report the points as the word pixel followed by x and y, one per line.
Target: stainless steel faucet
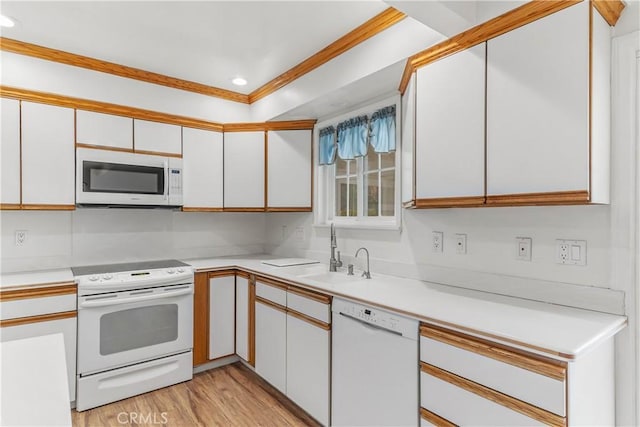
pixel 333 262
pixel 366 273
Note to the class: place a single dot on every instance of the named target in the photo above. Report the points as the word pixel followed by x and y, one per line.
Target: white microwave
pixel 114 178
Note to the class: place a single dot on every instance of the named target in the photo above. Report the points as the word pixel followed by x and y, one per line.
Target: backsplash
pixel 100 236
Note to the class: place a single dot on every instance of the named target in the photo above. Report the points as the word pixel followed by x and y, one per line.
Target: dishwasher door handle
pixel 370 325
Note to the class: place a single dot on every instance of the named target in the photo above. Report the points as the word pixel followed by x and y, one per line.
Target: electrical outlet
pixel 523 248
pixel 299 234
pixel 571 252
pixel 437 239
pixel 461 244
pixel 21 237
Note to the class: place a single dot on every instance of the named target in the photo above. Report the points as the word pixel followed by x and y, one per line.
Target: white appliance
pixel 135 329
pixel 375 367
pixel 114 178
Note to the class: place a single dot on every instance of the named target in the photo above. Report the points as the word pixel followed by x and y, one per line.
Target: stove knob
pixel 171 271
pixel 107 277
pixel 93 278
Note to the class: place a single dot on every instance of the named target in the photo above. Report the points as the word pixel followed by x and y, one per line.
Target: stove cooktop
pixel 129 266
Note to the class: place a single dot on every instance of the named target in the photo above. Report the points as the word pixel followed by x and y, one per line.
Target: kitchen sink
pixel 336 278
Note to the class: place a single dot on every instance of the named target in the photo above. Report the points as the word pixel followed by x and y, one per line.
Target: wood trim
pixel 9 206
pixel 514 404
pixel 265 191
pixel 308 319
pixel 34 207
pixel 590 103
pixel 434 419
pixel 197 209
pixel 525 14
pixel 221 273
pixel 201 319
pixel 406 76
pixel 37 319
pixel 411 204
pixel 322 298
pixel 449 202
pixel 103 147
pixel 609 9
pixel 290 125
pixel 38 291
pixel 271 304
pixel 62 57
pixel 252 322
pixel 107 108
pixel 158 153
pixel 244 127
pixel 272 283
pixel 243 274
pixel 234 209
pixel 550 198
pixel 542 366
pixel 291 209
pixel 373 26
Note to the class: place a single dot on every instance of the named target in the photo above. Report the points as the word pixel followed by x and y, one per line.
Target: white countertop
pixel 36 278
pixel 33 382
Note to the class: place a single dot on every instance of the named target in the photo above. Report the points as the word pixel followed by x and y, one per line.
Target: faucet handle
pixel 338 261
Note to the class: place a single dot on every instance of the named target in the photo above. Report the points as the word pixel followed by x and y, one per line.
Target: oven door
pixel 123 328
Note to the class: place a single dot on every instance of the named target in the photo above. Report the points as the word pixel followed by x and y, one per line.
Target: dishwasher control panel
pixel 374 316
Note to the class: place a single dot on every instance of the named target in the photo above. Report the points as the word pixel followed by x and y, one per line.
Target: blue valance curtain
pixel 350 139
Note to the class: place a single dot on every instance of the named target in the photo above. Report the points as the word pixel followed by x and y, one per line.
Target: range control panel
pixel 381 318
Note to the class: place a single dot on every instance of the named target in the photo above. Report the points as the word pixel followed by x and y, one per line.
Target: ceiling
pixel 208 42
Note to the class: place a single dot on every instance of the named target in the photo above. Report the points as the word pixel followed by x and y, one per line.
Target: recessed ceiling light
pixel 7 22
pixel 239 81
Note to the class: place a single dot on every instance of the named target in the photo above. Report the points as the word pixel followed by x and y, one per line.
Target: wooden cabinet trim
pixel 221 273
pixel 158 153
pixel 324 299
pixel 291 209
pixel 550 198
pixel 448 202
pixel 434 419
pixel 236 209
pixel 34 207
pixel 270 282
pixel 271 304
pixel 308 319
pixel 537 364
pixel 36 319
pixel 201 319
pixel 103 147
pixel 252 323
pixel 10 206
pixel 267 126
pixel 241 273
pixel 38 291
pixel 198 209
pixel 504 23
pixel 609 9
pixel 512 403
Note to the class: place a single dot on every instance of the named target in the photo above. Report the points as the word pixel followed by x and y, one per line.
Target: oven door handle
pixel 125 300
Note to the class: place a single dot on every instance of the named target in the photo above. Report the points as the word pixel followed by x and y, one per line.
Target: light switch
pixel 575 252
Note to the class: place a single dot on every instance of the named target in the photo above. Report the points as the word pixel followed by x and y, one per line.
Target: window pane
pixel 341 197
pixel 388 193
pixel 353 198
pixel 388 160
pixel 371 202
pixel 341 166
pixel 372 160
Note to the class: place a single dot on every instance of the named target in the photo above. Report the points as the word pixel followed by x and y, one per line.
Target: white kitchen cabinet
pixel 202 158
pixel 289 169
pixel 243 320
pixel 221 315
pixel 244 170
pixel 538 110
pixel 157 137
pixel 48 155
pixel 271 344
pixel 104 130
pixel 449 130
pixel 10 172
pixel 408 143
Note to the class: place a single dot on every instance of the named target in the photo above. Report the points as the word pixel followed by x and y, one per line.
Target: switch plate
pixel 21 237
pixel 437 239
pixel 571 252
pixel 523 248
pixel 461 244
pixel 300 234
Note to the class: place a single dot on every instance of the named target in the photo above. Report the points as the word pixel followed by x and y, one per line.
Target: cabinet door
pixel 538 106
pixel 104 130
pixel 10 172
pixel 242 317
pixel 202 166
pixel 65 326
pixel 308 367
pixel 200 318
pixel 450 128
pixel 48 155
pixel 408 141
pixel 244 170
pixel 222 296
pixel 157 137
pixel 289 171
pixel 271 344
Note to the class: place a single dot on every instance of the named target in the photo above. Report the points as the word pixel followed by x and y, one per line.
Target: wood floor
pixel 232 395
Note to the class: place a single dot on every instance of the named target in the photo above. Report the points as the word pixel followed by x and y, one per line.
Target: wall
pixel 101 236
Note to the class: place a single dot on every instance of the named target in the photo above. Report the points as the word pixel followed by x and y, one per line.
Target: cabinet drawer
pixel 310 306
pixel 463 402
pixel 272 292
pixel 536 381
pixel 37 306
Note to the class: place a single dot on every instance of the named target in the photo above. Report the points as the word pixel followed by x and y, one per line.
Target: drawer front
pixel 532 387
pixel 37 306
pixel 462 407
pixel 271 293
pixel 309 307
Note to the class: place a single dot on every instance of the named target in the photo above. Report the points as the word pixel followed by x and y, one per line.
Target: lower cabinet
pixel 222 295
pixel 271 344
pixel 245 311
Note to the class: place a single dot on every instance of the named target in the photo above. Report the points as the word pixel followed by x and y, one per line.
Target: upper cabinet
pixel 244 171
pixel 203 160
pixel 104 130
pixel 289 170
pixel 48 160
pixel 10 154
pixel 155 137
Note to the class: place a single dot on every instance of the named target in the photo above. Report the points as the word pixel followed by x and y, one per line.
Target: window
pixel 358 184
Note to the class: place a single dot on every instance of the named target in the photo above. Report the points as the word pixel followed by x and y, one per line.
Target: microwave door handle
pixel 166 180
pixel 105 303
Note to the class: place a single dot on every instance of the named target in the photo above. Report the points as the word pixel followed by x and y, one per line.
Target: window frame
pixel 324 176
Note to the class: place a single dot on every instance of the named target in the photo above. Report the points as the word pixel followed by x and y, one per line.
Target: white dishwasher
pixel 375 367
